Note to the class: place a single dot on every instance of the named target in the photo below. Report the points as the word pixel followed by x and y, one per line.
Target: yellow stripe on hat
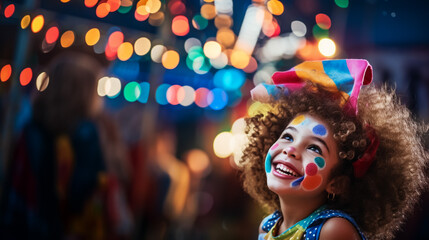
pixel 313 71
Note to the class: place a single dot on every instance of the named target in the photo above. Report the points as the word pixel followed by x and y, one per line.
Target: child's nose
pixel 291 151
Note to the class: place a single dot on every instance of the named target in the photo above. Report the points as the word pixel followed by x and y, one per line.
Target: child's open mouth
pixel 285 170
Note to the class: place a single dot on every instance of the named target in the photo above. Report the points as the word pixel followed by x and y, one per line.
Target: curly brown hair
pixel 380 200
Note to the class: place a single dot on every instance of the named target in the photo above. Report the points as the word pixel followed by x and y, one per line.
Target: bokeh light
pixel 170 59
pixel 157 52
pixel 141 17
pixel 275 7
pixel 153 6
pixel 37 23
pixel 102 10
pixel 319 32
pixel 25 21
pixel 90 3
pixel 298 28
pixel 115 40
pixel 229 79
pixel 208 11
pixel 171 94
pixel 9 10
pixel 42 81
pixel 156 19
pixel 190 42
pixel 201 97
pixel 252 66
pixel 26 76
pixel 67 39
pixel 217 99
pixel 342 3
pixel 161 94
pixel 198 161
pixel 176 7
pixel 92 36
pixel 52 35
pixel 327 47
pixel 223 21
pixel 239 59
pixel 187 95
pixel 132 91
pixel 226 37
pixel 212 49
pixel 220 61
pixel 180 25
pixel 199 22
pixel 113 87
pixel 6 72
pixel 102 86
pixel 144 94
pixel 142 46
pixel 125 51
pixel 323 21
pixel 114 5
pixel 223 144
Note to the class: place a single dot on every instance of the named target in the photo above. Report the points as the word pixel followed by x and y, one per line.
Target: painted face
pixel 302 158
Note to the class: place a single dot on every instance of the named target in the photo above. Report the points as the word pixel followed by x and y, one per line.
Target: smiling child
pixel 332 159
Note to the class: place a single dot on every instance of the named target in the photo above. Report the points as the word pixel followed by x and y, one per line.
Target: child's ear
pixel 338 185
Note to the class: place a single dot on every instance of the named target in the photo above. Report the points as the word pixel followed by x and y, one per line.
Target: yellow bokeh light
pixel 125 51
pixel 67 39
pixel 275 7
pixel 226 37
pixel 42 81
pixel 37 23
pixel 240 59
pixel 142 46
pixel 208 11
pixel 170 59
pixel 92 36
pixel 212 49
pixel 142 10
pixel 327 47
pixel 223 144
pixel 153 6
pixel 25 21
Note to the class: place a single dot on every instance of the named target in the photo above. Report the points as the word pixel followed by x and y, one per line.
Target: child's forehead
pixel 318 126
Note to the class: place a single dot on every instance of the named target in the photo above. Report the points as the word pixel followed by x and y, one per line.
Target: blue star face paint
pixel 320 130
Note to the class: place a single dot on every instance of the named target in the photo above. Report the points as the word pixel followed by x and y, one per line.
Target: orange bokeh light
pixel 5 72
pixel 90 3
pixel 9 10
pixel 102 10
pixel 139 17
pixel 180 25
pixel 52 35
pixel 25 76
pixel 114 4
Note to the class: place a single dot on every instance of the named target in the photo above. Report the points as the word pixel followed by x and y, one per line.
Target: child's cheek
pixel 274 150
pixel 311 179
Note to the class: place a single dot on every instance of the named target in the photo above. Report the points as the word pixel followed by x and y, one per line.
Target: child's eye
pixel 315 148
pixel 288 137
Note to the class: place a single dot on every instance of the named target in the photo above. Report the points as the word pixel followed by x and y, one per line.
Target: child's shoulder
pixel 338 228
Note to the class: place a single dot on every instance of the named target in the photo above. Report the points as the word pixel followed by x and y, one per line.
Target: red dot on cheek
pixel 311 169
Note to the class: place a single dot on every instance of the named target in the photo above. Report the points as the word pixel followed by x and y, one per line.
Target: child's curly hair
pixel 390 188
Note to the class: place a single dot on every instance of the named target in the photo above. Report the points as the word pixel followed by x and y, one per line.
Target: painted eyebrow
pixel 314 138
